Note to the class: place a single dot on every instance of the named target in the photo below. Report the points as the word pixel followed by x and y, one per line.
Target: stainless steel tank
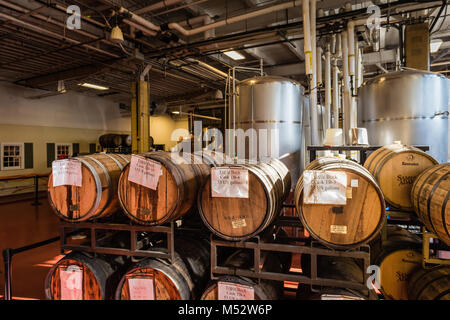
pixel 410 106
pixel 273 103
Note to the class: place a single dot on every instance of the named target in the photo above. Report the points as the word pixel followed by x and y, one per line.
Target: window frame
pixel 21 146
pixel 57 144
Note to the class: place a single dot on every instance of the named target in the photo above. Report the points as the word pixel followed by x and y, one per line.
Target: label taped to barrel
pixel 234 291
pixel 144 172
pixel 229 182
pixel 324 187
pixel 71 282
pixel 66 172
pixel 141 288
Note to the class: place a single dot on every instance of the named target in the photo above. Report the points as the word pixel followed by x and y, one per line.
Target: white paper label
pixel 141 289
pixel 354 183
pixel 66 172
pixel 238 223
pixel 234 291
pixel 71 282
pixel 324 187
pixel 144 172
pixel 229 182
pixel 338 229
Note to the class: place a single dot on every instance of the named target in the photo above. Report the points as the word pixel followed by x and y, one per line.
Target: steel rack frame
pixel 93 227
pixel 427 260
pixel 314 249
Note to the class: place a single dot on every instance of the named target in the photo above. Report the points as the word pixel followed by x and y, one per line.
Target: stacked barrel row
pixel 185 186
pixel 182 183
pixel 411 181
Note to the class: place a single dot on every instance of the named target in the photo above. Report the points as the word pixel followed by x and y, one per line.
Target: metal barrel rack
pixel 167 230
pixel 427 248
pixel 363 150
pixel 314 249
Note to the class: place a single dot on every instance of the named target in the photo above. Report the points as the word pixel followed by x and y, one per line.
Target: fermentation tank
pixel 269 103
pixel 410 106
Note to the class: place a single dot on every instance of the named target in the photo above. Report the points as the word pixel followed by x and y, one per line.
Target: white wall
pixel 68 110
pixel 65 118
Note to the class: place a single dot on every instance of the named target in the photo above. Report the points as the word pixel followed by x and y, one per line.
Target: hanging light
pixel 116 35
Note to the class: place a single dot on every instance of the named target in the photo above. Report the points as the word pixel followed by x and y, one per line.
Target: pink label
pixel 71 281
pixel 234 291
pixel 325 187
pixel 144 172
pixel 229 182
pixel 141 289
pixel 441 254
pixel 66 173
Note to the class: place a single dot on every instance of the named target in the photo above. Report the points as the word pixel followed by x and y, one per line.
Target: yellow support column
pixel 140 117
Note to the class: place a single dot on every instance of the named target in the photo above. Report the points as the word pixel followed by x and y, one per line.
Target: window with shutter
pixel 12 156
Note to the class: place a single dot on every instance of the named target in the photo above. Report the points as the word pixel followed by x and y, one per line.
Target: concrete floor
pixel 22 224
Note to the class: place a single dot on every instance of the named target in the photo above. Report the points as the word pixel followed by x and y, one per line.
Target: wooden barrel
pixel 347 225
pixel 79 276
pixel 399 257
pixel 183 279
pixel 243 288
pixel 126 140
pixel 175 194
pixel 97 197
pixel 430 196
pixel 430 284
pixel 336 268
pixel 395 167
pixel 110 140
pixel 243 218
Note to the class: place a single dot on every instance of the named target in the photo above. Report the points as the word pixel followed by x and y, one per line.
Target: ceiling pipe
pixel 328 88
pixel 139 20
pixel 313 79
pixel 307 37
pixel 346 114
pixel 158 5
pixel 282 6
pixel 137 26
pixel 53 34
pixel 336 90
pixel 319 51
pixel 50 20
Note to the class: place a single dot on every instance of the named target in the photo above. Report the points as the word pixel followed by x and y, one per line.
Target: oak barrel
pixel 183 279
pixel 175 193
pixel 346 225
pixel 97 197
pixel 243 288
pixel 335 268
pixel 430 196
pixel 399 257
pixel 110 140
pixel 243 218
pixel 395 167
pixel 80 276
pixel 126 140
pixel 430 284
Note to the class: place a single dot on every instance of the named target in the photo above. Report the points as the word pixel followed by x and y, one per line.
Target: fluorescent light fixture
pixel 234 55
pixel 434 45
pixel 176 112
pixel 93 86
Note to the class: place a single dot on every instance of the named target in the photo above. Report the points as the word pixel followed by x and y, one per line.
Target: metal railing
pixel 35 177
pixel 8 254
